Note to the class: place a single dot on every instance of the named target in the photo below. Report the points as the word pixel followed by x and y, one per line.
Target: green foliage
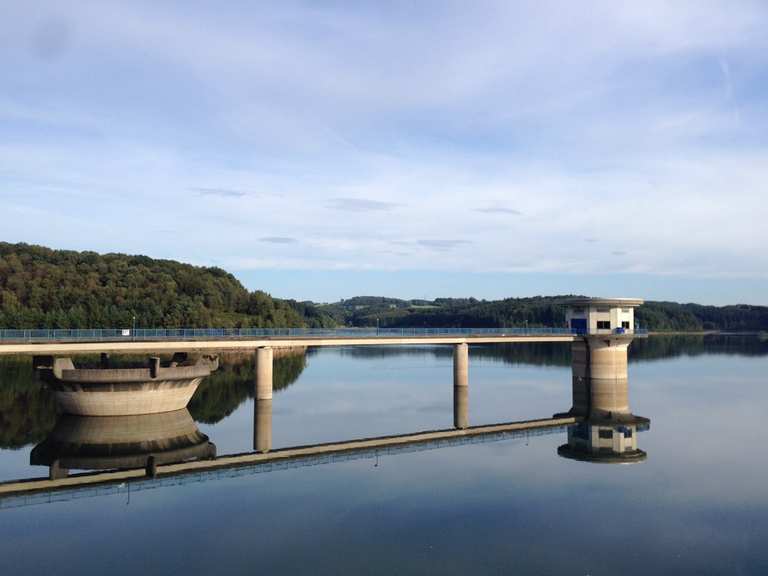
pixel 44 288
pixel 535 311
pixel 27 410
pixel 224 390
pixel 449 312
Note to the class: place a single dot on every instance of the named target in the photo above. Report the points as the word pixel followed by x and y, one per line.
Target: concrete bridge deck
pixel 24 492
pixel 127 346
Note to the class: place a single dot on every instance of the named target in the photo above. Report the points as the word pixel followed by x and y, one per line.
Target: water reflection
pixel 696 505
pixel 262 425
pixel 28 412
pixel 121 442
pixel 604 442
pixel 607 432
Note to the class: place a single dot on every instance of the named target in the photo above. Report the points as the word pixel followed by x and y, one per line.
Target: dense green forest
pixel 44 288
pixel 535 311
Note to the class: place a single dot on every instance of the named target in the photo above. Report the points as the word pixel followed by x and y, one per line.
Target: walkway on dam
pixel 179 340
pixel 38 491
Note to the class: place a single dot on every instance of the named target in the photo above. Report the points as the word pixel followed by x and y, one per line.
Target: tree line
pixel 534 311
pixel 44 288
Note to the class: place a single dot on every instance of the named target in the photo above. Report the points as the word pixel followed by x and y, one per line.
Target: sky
pixel 322 150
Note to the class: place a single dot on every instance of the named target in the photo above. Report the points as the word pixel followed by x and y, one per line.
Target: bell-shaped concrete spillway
pixel 108 391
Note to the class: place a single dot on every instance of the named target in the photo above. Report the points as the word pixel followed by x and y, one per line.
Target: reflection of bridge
pixel 38 491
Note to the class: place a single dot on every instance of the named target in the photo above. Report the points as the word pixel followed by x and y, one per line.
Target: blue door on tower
pixel 579 325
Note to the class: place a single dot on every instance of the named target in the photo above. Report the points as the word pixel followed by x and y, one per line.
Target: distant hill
pixel 45 288
pixel 534 311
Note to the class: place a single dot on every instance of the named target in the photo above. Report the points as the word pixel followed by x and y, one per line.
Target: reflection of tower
pixel 600 383
pixel 594 441
pixel 122 442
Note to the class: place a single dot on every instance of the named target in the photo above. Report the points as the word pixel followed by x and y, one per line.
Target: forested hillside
pixel 45 288
pixel 535 311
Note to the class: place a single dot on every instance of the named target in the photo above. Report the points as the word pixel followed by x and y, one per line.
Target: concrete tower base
pixel 608 381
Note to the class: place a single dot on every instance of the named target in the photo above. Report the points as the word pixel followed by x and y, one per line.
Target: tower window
pixel 603 324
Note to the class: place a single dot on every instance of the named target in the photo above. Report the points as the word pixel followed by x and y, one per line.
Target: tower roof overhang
pixel 609 302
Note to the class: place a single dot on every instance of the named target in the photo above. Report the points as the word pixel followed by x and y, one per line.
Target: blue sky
pixel 414 149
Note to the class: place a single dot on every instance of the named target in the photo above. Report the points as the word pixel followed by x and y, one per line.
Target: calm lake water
pixel 697 505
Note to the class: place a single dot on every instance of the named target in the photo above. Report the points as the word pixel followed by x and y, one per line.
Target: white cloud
pixel 502 135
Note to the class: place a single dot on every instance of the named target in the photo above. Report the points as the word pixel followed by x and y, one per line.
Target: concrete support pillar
pixel 56 471
pixel 461 385
pixel 262 425
pixel 461 407
pixel 154 366
pixel 264 358
pixel 461 365
pixel 609 383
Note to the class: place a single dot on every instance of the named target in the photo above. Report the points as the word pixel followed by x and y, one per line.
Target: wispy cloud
pixel 278 239
pixel 725 70
pixel 411 138
pixel 360 205
pixel 442 244
pixel 220 192
pixel 499 210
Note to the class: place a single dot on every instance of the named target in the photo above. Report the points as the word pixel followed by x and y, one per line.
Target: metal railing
pixel 159 334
